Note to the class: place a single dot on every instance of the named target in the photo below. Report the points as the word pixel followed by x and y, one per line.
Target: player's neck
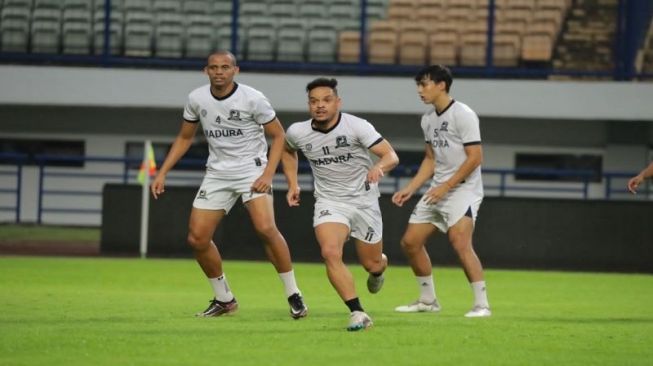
pixel 220 92
pixel 325 126
pixel 442 102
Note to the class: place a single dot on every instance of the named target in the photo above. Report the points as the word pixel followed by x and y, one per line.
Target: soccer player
pixel 452 158
pixel 635 181
pixel 236 119
pixel 346 189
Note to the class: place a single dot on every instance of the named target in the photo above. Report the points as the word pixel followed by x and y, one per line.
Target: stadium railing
pixel 77 190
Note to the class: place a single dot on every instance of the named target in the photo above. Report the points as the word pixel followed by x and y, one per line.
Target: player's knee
pixel 460 242
pixel 330 254
pixel 266 231
pixel 409 246
pixel 196 242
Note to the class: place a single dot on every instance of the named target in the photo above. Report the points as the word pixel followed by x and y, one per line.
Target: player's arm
pixel 274 131
pixel 635 181
pixel 179 147
pixel 289 163
pixel 388 160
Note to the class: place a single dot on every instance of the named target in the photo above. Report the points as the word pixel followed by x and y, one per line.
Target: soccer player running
pixel 635 181
pixel 336 145
pixel 236 119
pixel 453 157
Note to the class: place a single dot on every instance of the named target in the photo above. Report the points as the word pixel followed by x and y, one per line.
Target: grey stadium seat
pixel 200 41
pixel 76 38
pixel 291 44
pixel 322 45
pixel 261 43
pixel 138 39
pixel 169 41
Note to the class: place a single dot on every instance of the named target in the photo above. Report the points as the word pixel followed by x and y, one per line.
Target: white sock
pixel 480 294
pixel 221 288
pixel 289 283
pixel 426 289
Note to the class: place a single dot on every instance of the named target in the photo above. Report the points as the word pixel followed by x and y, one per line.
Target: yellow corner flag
pixel 148 164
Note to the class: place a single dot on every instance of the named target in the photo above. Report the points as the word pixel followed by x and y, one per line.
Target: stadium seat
pixel 46 36
pixel 413 44
pixel 382 48
pixel 115 32
pixel 224 40
pixel 25 4
pixel 290 45
pixel 283 9
pixel 537 47
pixel 443 48
pixel 15 34
pixel 78 4
pixel 261 44
pixel 507 50
pixel 144 6
pixel 340 11
pixel 166 6
pixel 47 4
pixel 195 7
pixel 401 9
pixel 349 46
pixel 521 4
pixel 253 9
pixel 322 44
pixel 222 7
pixel 168 19
pixel 138 39
pixel 200 41
pixel 169 40
pixel 473 49
pixel 312 9
pixel 76 38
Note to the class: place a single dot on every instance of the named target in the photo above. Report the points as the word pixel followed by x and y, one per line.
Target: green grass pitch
pixel 60 311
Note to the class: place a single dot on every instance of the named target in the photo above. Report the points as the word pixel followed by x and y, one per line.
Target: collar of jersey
pixel 226 96
pixel 445 109
pixel 330 129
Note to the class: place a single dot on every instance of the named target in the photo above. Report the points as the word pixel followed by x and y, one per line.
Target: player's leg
pixel 460 237
pixel 413 244
pixel 202 225
pixel 261 211
pixel 371 257
pixel 331 237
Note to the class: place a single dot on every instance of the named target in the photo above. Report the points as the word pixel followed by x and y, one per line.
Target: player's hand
pixel 158 185
pixel 435 194
pixel 399 198
pixel 375 174
pixel 634 183
pixel 293 196
pixel 262 185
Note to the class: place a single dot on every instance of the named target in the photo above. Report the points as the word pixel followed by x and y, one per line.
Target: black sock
pixel 376 274
pixel 354 305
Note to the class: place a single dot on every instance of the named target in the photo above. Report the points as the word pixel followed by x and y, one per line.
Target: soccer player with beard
pixel 236 119
pixel 452 161
pixel 336 145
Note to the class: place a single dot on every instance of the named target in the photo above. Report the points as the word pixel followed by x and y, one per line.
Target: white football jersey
pixel 339 158
pixel 233 127
pixel 448 133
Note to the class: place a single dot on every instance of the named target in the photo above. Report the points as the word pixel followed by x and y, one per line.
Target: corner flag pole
pixel 148 167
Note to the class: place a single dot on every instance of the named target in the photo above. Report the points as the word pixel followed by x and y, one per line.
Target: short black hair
pixel 234 62
pixel 437 73
pixel 328 82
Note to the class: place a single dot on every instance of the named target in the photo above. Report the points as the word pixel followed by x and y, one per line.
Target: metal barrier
pixel 60 183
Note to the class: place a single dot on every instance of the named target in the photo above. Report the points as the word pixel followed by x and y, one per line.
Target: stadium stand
pixel 563 33
pixel 589 33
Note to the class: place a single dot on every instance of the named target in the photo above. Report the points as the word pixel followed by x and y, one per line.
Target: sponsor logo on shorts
pixel 324 213
pixel 370 233
pixel 201 195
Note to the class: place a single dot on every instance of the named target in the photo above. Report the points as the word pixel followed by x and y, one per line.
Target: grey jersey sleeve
pixel 262 110
pixel 367 134
pixel 468 127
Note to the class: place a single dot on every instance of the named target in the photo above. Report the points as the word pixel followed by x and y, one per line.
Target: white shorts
pixel 364 223
pixel 448 211
pixel 222 194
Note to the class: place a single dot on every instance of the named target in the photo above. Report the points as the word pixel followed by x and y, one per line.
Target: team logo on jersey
pixel 324 213
pixel 201 195
pixel 203 112
pixel 234 115
pixel 218 120
pixel 444 126
pixel 341 141
pixel 308 147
